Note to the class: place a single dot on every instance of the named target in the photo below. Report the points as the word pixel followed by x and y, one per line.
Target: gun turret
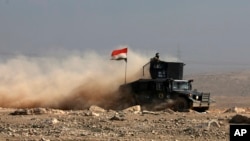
pixel 162 69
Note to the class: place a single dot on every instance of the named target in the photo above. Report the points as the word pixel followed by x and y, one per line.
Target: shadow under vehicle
pixel 165 89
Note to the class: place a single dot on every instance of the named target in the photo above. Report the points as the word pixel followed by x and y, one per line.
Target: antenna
pixel 178 52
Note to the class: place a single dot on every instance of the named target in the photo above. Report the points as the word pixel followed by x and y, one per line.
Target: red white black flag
pixel 119 54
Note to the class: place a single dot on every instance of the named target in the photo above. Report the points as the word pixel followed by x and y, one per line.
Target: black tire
pixel 201 109
pixel 181 105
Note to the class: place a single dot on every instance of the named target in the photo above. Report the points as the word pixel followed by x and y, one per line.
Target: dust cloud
pixel 75 82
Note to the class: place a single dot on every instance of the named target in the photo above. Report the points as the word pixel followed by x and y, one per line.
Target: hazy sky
pixel 207 35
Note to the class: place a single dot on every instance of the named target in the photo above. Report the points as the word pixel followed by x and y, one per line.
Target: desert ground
pixel 230 91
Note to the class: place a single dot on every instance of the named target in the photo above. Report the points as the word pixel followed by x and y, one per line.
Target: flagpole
pixel 121 54
pixel 126 71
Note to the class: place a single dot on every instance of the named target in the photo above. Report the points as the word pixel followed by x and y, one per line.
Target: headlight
pixel 197 97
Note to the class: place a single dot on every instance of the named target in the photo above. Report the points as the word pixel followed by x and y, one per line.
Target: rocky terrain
pixel 95 123
pixel 230 91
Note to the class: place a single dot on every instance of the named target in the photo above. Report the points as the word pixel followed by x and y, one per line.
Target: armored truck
pixel 166 85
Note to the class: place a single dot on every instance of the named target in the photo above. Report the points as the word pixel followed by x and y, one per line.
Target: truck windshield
pixel 180 85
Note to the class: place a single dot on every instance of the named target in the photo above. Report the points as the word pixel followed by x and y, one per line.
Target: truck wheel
pixel 202 109
pixel 181 105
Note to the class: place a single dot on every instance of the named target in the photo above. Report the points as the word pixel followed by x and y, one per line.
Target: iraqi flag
pixel 119 54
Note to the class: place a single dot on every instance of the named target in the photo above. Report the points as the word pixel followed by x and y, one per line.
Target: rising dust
pixel 75 82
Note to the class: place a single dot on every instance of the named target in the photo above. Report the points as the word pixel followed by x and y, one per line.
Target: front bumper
pixel 203 102
pixel 200 104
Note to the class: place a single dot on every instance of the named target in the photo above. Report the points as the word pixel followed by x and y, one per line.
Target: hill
pixel 228 89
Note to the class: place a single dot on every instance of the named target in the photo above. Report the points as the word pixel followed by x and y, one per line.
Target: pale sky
pixel 206 35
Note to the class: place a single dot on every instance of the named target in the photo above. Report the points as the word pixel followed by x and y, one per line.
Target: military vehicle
pixel 166 85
